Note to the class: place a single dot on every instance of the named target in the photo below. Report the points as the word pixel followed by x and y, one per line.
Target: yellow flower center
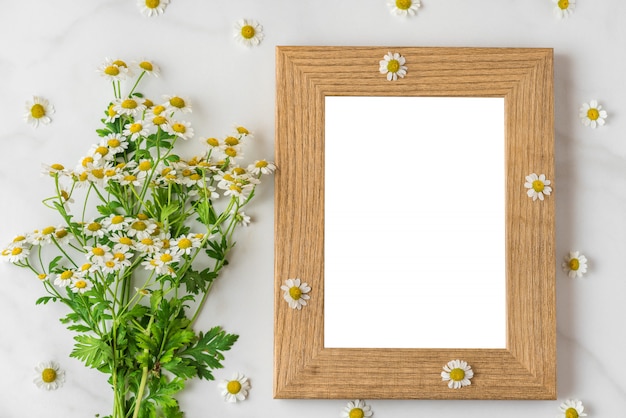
pixel 48 230
pixel 564 4
pixel 295 292
pixel 111 111
pixel 571 413
pixel 574 264
pixel 98 252
pixel 57 167
pixel 393 66
pixel 126 241
pixel 80 284
pixel 129 104
pixel 48 375
pixel 61 233
pixel 114 142
pixel 243 131
pixel 117 219
pixel 145 165
pixel 112 70
pixel 146 65
pixel 159 120
pixel 230 151
pixel 102 151
pixel 143 216
pixel 184 243
pixel 16 251
pixel 213 142
pixel 94 226
pixel 593 114
pixel 85 267
pixel 233 387
pixel 152 4
pixel 235 188
pixel 97 173
pixel 177 102
pixel 147 241
pixel 148 103
pixel 231 140
pixel 179 127
pixel 403 4
pixel 67 274
pixel 19 238
pixel 261 164
pixel 157 110
pixel 247 32
pixel 37 111
pixel 166 258
pixel 42 276
pixel 119 256
pixel 86 161
pixel 457 374
pixel 120 63
pixel 356 413
pixel 538 186
pixel 139 226
pixel 110 264
pixel 135 127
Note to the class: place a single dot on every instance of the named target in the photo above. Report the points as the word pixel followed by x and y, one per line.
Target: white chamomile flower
pixel 17 253
pixel 187 243
pixel 295 293
pixel 38 111
pixel 49 375
pixel 80 285
pixel 115 142
pixel 249 32
pixel 403 7
pixel 113 71
pixel 132 106
pixel 457 373
pixel 65 278
pixel 53 170
pixel 572 408
pixel 356 409
pixel 592 115
pixel 563 8
pixel 136 129
pixel 243 132
pixel 181 129
pixel 152 7
pixel 262 167
pixel 176 104
pixel 393 66
pixel 242 218
pixel 537 186
pixel 236 389
pixel 148 66
pixel 575 264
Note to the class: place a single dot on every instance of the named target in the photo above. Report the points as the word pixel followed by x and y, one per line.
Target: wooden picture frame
pixel 303 367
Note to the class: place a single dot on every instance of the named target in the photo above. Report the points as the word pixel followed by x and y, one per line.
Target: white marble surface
pixel 52 48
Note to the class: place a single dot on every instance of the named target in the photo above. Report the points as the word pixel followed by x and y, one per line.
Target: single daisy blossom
pixel 38 111
pixel 457 373
pixel 236 389
pixel 136 129
pixel 572 408
pixel 148 66
pixel 537 186
pixel 262 167
pixel 563 8
pixel 575 264
pixel 403 7
pixel 80 285
pixel 356 409
pixel 152 7
pixel 175 103
pixel 49 375
pixel 181 129
pixel 113 72
pixel 249 32
pixel 592 115
pixel 393 66
pixel 295 293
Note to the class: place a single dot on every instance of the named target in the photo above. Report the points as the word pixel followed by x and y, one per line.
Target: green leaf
pixel 91 350
pixel 206 353
pixel 45 299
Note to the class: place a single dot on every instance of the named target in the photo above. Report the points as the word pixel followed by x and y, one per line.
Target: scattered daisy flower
pixel 575 264
pixel 262 167
pixel 296 293
pixel 174 103
pixel 38 111
pixel 249 32
pixel 537 186
pixel 53 169
pixel 572 408
pixel 393 66
pixel 356 409
pixel 457 373
pixel 591 114
pixel 152 7
pixel 181 129
pixel 236 389
pixel 113 72
pixel 563 8
pixel 49 375
pixel 80 285
pixel 135 129
pixel 129 106
pixel 403 7
pixel 243 131
pixel 242 218
pixel 148 66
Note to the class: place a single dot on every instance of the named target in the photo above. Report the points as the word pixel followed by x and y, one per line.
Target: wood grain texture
pixel 303 368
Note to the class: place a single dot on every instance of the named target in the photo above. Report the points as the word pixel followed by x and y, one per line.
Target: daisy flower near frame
pixel 563 8
pixel 152 7
pixel 295 293
pixel 249 32
pixel 592 114
pixel 575 264
pixel 572 408
pixel 457 373
pixel 235 389
pixel 38 112
pixel 356 409
pixel 538 186
pixel 403 7
pixel 392 65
